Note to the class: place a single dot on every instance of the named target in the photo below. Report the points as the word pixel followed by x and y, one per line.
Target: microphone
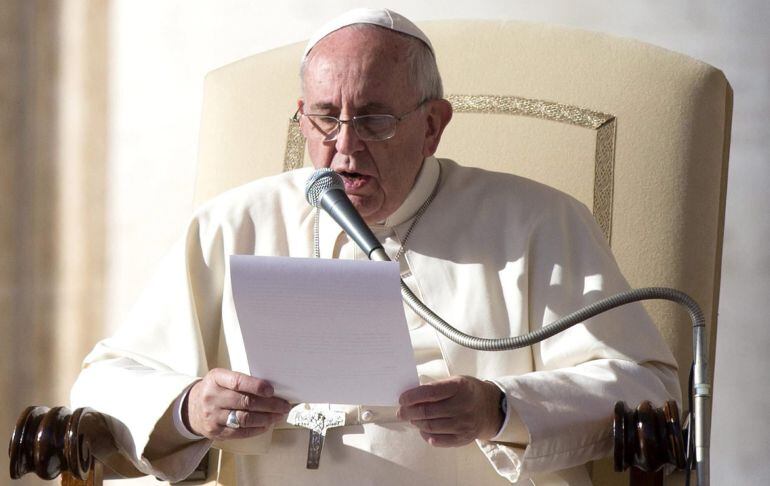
pixel 325 189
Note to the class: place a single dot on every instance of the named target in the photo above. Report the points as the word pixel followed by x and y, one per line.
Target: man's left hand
pixel 453 412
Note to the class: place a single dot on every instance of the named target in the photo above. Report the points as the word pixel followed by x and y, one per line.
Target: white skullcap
pixel 375 16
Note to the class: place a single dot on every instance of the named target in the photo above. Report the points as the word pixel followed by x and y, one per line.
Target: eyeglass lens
pixel 367 127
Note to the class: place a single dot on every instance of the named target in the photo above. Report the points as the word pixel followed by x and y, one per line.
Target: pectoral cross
pixel 318 421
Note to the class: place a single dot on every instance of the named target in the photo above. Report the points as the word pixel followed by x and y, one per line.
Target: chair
pixel 639 134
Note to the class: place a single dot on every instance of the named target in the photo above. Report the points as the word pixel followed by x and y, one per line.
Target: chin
pixel 365 208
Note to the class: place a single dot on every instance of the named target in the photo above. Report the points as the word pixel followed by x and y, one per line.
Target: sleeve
pixel 560 414
pixel 165 344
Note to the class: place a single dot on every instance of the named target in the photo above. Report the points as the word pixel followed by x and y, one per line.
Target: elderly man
pixel 499 254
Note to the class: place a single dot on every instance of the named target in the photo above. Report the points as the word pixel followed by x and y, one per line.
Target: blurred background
pixel 99 109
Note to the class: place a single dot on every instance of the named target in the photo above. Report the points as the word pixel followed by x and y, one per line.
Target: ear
pixel 439 115
pixel 300 110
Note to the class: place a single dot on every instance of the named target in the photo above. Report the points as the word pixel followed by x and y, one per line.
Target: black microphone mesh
pixel 319 182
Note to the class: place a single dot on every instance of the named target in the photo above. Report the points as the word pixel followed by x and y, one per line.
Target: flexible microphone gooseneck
pixel 325 189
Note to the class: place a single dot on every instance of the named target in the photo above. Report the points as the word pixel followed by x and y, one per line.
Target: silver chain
pixel 316 245
pixel 417 216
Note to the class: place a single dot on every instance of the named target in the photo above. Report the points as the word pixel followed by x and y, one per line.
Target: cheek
pixel 406 160
pixel 320 154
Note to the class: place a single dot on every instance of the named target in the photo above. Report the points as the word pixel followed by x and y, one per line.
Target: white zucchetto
pixel 382 17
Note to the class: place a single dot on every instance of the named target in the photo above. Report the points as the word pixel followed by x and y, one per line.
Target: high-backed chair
pixel 638 133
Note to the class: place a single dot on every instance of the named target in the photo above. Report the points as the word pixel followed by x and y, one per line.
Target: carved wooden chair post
pixel 53 442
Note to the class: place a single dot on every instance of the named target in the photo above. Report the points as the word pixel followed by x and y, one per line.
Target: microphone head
pixel 319 182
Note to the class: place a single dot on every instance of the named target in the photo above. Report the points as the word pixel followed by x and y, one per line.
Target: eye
pixel 323 122
pixel 375 127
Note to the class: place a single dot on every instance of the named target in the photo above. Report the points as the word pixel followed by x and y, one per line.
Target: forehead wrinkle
pixel 367 71
pixel 361 88
pixel 378 41
pixel 362 50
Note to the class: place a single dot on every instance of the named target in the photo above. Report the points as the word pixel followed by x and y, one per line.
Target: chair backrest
pixel 638 133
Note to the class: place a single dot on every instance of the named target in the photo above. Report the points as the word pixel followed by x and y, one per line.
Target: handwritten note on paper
pixel 324 331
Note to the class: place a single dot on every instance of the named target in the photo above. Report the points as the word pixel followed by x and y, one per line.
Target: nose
pixel 348 141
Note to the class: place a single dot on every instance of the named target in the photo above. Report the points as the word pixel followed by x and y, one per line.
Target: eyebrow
pixel 322 106
pixel 372 107
pixel 375 107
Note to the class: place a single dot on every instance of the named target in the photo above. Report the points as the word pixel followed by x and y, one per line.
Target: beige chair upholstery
pixel 637 133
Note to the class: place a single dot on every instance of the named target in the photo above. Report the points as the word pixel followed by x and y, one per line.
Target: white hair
pixel 423 70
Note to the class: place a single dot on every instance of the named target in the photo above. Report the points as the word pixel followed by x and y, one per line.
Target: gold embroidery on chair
pixel 604 124
pixel 604 176
pixel 295 146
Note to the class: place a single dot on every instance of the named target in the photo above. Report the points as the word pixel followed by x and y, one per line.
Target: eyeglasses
pixel 370 128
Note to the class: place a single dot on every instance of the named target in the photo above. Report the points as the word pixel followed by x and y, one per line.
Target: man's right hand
pixel 210 401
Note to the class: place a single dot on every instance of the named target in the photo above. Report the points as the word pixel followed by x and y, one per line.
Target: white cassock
pixel 494 254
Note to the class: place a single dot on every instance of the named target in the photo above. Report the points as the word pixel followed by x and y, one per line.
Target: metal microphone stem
pixel 379 255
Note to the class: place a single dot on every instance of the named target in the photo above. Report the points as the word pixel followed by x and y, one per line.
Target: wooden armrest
pixel 647 439
pixel 54 441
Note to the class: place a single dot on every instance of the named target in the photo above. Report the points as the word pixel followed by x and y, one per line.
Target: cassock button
pixel 367 416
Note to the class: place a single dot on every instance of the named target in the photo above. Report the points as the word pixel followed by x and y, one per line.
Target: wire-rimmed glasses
pixel 370 128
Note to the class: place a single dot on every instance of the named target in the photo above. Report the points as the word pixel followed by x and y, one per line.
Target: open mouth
pixel 354 180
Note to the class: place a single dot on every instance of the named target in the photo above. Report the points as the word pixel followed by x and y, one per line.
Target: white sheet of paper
pixel 324 331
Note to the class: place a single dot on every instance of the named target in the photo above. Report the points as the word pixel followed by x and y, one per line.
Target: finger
pixel 256 419
pixel 433 392
pixel 444 440
pixel 424 411
pixel 249 424
pixel 443 426
pixel 233 380
pixel 231 400
pixel 267 405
